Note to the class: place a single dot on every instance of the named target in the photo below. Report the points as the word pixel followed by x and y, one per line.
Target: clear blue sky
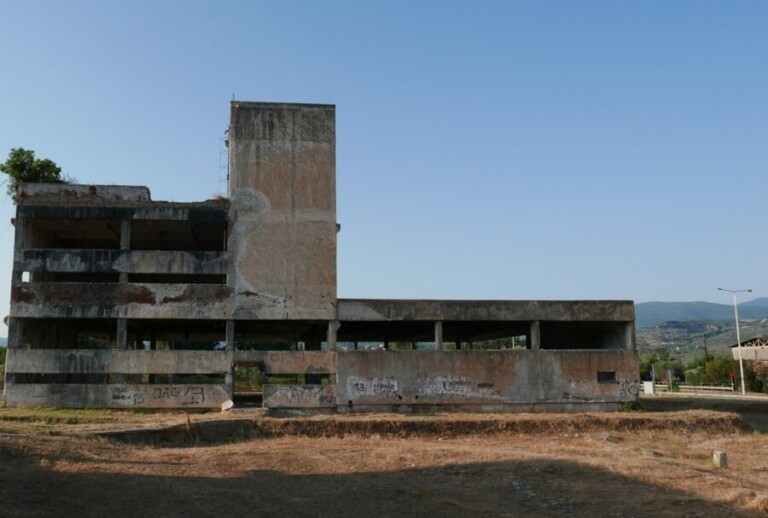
pixel 510 150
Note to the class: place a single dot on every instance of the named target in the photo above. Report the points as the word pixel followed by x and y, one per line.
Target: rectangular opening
pixel 583 335
pixel 176 335
pixel 420 335
pixel 99 277
pixel 280 335
pixel 101 234
pixel 174 278
pixel 179 235
pixel 606 376
pixel 67 333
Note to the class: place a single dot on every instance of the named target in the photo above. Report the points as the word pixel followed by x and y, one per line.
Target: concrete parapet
pixel 66 193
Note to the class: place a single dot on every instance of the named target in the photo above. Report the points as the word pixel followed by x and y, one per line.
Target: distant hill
pixel 649 314
pixel 762 302
pixel 686 339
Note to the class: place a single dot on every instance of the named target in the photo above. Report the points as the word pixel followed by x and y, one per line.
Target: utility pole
pixel 706 356
pixel 738 334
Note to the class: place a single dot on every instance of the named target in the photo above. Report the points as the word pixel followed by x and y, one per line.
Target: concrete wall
pixel 106 266
pixel 516 380
pixel 487 310
pixel 101 361
pixel 115 396
pixel 497 380
pixel 47 193
pixel 282 189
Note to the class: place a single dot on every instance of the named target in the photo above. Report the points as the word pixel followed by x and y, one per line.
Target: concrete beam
pixel 115 396
pixel 123 261
pixel 485 310
pixel 153 301
pixel 250 357
pixel 299 396
pixel 214 210
pixel 58 193
pixel 100 361
pixel 135 300
pixel 300 362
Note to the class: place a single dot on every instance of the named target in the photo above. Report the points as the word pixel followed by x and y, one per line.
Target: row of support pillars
pixel 534 335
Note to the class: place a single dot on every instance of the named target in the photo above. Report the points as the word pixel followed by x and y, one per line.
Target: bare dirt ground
pixel 652 463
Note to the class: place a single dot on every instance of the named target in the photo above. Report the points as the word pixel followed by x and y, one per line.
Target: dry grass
pixel 532 465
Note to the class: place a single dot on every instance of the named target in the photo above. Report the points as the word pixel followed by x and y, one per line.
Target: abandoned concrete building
pixel 120 301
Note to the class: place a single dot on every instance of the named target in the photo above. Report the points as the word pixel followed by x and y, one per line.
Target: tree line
pixel 704 370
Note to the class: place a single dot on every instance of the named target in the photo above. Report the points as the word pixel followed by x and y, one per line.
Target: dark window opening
pixel 176 335
pixel 606 376
pixel 173 278
pixel 583 335
pixel 81 277
pixel 179 235
pixel 66 333
pixel 280 335
pixel 72 234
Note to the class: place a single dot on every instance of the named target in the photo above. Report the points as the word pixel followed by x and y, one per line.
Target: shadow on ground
pixel 753 412
pixel 531 488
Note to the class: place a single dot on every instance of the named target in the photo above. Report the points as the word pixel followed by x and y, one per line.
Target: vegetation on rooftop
pixel 22 167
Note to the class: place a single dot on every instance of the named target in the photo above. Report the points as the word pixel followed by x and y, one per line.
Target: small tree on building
pixel 22 167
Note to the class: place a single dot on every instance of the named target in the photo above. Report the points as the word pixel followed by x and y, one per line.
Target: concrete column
pixel 439 335
pixel 535 335
pixel 629 336
pixel 125 242
pixel 122 343
pixel 122 334
pixel 19 241
pixel 333 327
pixel 18 245
pixel 230 335
pixel 152 347
pixel 14 332
pixel 229 377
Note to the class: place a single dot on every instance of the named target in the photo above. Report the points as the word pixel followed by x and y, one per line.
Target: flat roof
pixel 486 310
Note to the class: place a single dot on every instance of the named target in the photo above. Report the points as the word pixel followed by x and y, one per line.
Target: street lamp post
pixel 738 334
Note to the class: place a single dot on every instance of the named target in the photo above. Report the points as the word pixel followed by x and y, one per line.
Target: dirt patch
pixel 61 463
pixel 220 431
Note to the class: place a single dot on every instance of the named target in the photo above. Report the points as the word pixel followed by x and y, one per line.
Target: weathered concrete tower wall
pixel 120 301
pixel 282 187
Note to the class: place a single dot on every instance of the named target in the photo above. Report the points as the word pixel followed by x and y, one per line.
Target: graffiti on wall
pixel 629 389
pixel 452 386
pixel 164 395
pixel 299 396
pixel 386 388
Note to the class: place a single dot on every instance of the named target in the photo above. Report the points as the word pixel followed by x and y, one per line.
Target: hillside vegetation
pixel 687 339
pixel 649 314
